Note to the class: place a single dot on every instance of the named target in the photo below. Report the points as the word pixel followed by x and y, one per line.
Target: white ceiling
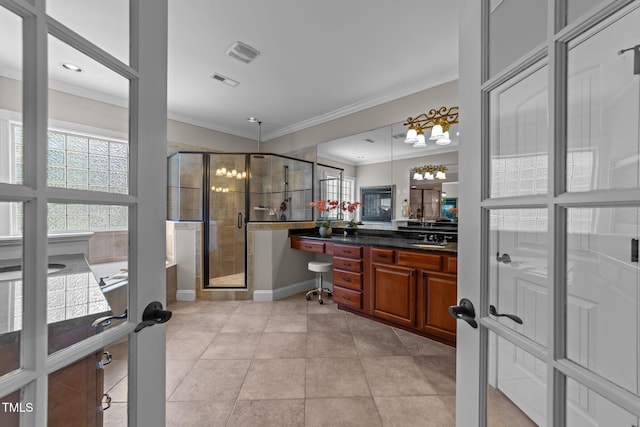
pixel 319 60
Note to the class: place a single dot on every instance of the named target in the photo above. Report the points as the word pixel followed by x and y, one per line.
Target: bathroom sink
pixel 428 245
pixel 14 272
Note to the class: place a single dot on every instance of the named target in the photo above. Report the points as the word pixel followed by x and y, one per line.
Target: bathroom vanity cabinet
pixel 398 285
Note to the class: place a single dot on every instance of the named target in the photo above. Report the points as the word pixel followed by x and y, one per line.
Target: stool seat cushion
pixel 319 267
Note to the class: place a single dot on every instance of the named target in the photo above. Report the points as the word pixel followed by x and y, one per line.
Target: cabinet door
pixel 394 294
pixel 435 295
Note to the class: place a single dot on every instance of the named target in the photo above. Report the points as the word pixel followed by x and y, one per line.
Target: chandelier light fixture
pixel 429 172
pixel 439 121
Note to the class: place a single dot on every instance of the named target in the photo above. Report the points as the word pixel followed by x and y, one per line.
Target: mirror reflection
pixel 380 158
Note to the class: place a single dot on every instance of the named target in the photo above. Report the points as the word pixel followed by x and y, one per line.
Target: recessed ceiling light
pixel 360 157
pixel 71 67
pixel 252 120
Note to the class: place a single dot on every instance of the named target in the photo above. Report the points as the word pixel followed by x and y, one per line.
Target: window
pixel 78 161
pixel 333 190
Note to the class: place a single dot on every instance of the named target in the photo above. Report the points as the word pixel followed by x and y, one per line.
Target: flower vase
pixel 325 231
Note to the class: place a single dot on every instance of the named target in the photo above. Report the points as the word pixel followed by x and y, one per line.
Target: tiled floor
pixel 299 363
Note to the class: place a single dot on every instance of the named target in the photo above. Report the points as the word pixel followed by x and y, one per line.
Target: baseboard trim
pixel 286 291
pixel 183 295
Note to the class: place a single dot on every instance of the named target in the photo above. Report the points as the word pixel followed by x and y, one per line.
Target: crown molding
pixel 391 95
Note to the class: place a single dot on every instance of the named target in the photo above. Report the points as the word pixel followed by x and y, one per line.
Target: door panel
pixel 394 292
pixel 89 151
pixel 589 409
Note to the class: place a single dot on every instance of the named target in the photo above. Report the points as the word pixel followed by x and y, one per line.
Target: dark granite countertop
pixel 371 239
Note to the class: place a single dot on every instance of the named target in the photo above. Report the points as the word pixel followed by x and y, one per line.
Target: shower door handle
pixel 239 219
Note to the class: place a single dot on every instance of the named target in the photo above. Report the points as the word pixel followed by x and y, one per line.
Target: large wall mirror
pixel 379 158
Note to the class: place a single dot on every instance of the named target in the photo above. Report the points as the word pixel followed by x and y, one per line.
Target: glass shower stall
pixel 226 191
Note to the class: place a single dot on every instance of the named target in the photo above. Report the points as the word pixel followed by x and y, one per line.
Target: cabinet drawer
pixel 452 264
pixel 346 251
pixel 425 261
pixel 347 297
pixel 347 280
pixel 383 256
pixel 307 245
pixel 347 264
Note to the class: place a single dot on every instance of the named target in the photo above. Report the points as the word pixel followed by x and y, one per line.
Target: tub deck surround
pixel 74 296
pixel 74 300
pixel 384 276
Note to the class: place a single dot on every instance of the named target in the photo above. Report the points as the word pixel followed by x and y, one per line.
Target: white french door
pixel 549 213
pixel 82 157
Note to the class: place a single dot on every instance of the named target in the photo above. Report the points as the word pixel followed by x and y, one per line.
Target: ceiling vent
pixel 242 52
pixel 399 135
pixel 225 80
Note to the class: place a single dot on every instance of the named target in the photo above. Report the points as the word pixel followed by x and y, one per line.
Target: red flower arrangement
pixel 329 205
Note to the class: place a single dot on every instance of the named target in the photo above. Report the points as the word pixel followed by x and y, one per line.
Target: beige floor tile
pixel 246 323
pixel 114 372
pixel 253 307
pixel 358 323
pixel 502 412
pixel 449 402
pixel 423 411
pixel 212 380
pixel 330 344
pixel 378 342
pixel 268 413
pixel 441 372
pixel 176 371
pixel 336 377
pixel 201 413
pixel 341 412
pixel 287 323
pixel 274 379
pixel 395 376
pixel 282 345
pixel 115 416
pixel 192 325
pixel 313 307
pixel 290 307
pixel 332 322
pixel 421 346
pixel 188 349
pixel 232 346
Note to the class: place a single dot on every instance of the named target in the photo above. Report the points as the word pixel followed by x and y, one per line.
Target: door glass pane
pixel 509 20
pixel 91 391
pixel 114 400
pixel 185 195
pixel 88 124
pixel 602 109
pixel 518 276
pixel 602 287
pixel 11 297
pixel 516 393
pixel 104 23
pixel 587 408
pixel 518 136
pixel 11 143
pixel 226 247
pixel 88 249
pixel 12 404
pixel 575 8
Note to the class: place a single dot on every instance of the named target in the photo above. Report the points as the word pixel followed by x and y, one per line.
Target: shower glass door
pixel 225 232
